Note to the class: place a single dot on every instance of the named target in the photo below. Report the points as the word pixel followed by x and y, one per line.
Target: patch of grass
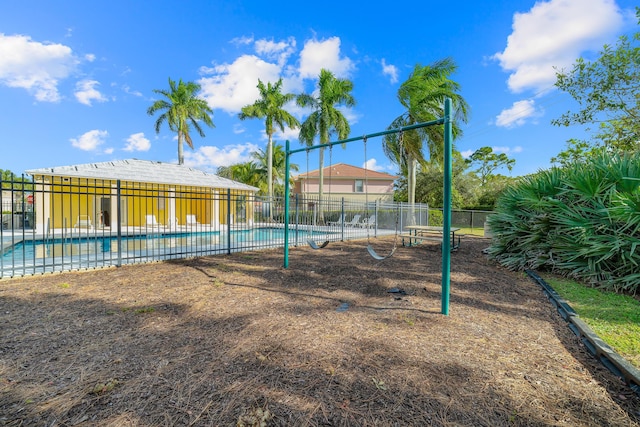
pixel 613 317
pixel 144 310
pixel 64 285
pixel 471 231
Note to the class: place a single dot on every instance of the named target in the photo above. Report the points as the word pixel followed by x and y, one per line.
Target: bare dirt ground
pixel 240 341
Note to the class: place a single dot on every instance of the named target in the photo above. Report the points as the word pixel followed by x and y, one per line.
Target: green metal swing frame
pixel 446 120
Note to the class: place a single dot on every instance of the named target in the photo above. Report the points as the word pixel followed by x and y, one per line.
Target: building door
pixel 105 211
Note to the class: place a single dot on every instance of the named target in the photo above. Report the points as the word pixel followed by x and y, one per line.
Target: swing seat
pixel 314 245
pixel 374 255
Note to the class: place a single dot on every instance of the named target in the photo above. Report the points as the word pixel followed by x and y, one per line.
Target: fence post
pixel 297 210
pixel 343 216
pixel 119 226
pixel 228 221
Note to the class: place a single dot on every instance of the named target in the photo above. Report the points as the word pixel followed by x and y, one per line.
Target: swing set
pixel 446 243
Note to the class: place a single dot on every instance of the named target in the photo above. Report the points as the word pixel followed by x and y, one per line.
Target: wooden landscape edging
pixel 598 348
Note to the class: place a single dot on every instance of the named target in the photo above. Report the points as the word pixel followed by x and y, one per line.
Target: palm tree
pixel 278 165
pixel 422 95
pixel 325 119
pixel 181 109
pixel 270 108
pixel 248 173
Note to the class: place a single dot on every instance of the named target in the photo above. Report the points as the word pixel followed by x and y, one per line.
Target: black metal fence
pixel 86 224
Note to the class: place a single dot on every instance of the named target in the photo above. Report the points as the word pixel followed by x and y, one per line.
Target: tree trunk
pixel 180 150
pixel 270 176
pixel 411 189
pixel 321 186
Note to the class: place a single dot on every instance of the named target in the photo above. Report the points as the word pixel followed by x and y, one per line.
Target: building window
pixel 359 187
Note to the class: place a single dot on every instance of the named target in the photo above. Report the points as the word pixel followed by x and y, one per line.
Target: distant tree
pixel 248 173
pixel 491 191
pixel 7 177
pixel 270 107
pixel 325 119
pixel 607 91
pixel 422 97
pixel 11 180
pixel 254 172
pixel 487 162
pixel 430 180
pixel 181 110
pixel 576 151
pixel 278 167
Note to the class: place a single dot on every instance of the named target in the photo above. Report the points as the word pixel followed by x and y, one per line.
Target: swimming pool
pixel 95 250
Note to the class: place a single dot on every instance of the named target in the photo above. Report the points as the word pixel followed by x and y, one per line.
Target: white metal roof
pixel 143 171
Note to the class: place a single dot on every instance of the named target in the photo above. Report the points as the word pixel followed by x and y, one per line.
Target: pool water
pixel 164 242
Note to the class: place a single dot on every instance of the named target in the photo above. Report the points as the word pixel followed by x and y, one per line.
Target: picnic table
pixel 419 233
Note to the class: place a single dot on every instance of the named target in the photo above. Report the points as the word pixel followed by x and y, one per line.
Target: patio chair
pixel 369 222
pixel 83 221
pixel 151 221
pixel 354 221
pixel 338 222
pixel 192 220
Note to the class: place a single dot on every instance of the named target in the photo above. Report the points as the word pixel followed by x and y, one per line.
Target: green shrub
pixel 582 221
pixel 436 218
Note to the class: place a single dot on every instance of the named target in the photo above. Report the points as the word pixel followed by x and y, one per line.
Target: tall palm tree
pixel 270 107
pixel 181 109
pixel 325 119
pixel 422 95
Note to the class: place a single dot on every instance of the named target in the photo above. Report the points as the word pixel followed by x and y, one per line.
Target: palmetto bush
pixel 581 221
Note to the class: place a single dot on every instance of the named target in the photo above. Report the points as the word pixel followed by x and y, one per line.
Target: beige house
pixel 351 182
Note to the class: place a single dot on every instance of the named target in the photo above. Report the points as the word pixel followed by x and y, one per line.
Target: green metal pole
pixel 286 205
pixel 446 209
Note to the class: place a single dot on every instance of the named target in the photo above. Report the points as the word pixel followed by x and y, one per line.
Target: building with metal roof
pixel 136 193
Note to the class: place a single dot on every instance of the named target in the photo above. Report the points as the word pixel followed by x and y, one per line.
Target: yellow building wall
pixel 71 198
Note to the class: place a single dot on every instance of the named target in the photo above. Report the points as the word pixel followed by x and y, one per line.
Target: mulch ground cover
pixel 337 339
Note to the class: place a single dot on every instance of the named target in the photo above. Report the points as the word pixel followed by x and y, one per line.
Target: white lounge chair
pixel 338 222
pixel 84 221
pixel 151 221
pixel 369 222
pixel 354 221
pixel 192 220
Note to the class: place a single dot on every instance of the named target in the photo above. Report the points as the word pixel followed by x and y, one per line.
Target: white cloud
pixel 554 34
pixel 90 140
pixel 86 92
pixel 279 51
pixel 372 164
pixel 519 113
pixel 244 40
pixel 127 89
pixel 390 70
pixel 507 150
pixel 137 142
pixel 290 134
pixel 34 66
pixel 211 157
pixel 467 153
pixel 317 55
pixel 233 86
pixel 90 57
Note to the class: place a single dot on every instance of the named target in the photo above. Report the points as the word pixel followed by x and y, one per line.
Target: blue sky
pixel 77 77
